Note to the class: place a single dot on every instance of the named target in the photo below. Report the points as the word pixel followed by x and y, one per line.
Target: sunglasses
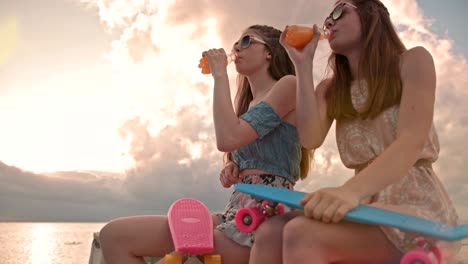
pixel 246 40
pixel 337 12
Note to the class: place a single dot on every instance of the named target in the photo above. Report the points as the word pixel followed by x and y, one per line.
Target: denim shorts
pixel 239 200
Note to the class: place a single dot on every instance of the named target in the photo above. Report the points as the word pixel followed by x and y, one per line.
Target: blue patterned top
pixel 277 150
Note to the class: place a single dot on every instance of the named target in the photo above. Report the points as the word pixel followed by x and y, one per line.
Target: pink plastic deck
pixel 191 227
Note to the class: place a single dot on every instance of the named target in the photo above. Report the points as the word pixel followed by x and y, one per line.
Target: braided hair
pixel 280 66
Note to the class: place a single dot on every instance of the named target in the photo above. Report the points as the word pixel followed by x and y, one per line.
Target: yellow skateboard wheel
pixel 173 259
pixel 212 259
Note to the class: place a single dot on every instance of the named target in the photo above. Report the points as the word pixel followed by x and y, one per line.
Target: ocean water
pixel 46 243
pixel 64 243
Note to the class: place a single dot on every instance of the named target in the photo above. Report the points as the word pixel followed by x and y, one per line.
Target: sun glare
pixel 42 246
pixel 8 38
pixel 77 128
pixel 62 133
pixel 196 150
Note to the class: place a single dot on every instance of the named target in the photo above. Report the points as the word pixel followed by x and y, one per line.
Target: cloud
pixel 167 17
pixel 61 196
pixel 180 161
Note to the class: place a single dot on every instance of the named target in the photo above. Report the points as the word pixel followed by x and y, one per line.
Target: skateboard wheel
pixel 280 209
pixel 270 209
pixel 212 259
pixel 173 259
pixel 419 256
pixel 248 219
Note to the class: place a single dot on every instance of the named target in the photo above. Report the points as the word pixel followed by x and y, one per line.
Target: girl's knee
pixel 302 231
pixel 110 232
pixel 106 233
pixel 296 227
pixel 270 230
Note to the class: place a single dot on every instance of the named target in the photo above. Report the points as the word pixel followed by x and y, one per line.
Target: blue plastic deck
pixel 363 213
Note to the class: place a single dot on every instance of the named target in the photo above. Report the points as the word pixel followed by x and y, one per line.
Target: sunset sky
pixel 104 112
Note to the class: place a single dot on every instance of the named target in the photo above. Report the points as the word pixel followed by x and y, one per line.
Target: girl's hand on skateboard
pixel 229 175
pixel 329 204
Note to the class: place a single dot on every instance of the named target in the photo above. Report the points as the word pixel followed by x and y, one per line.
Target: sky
pixel 104 113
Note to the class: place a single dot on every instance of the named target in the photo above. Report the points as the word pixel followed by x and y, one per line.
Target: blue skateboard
pixel 362 214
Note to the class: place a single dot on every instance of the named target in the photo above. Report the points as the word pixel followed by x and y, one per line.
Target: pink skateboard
pixel 191 228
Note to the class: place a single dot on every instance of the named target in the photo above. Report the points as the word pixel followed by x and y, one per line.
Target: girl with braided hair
pixel 259 135
pixel 381 96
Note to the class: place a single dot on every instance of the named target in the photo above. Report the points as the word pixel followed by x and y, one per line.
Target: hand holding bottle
pixel 299 36
pixel 205 66
pixel 300 41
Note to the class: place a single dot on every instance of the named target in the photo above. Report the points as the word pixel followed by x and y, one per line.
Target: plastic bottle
pixel 299 35
pixel 205 66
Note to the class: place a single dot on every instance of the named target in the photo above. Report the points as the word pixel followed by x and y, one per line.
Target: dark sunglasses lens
pixel 245 42
pixel 337 12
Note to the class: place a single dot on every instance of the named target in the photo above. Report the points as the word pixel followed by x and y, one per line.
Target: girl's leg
pixel 268 245
pixel 230 251
pixel 307 240
pixel 126 240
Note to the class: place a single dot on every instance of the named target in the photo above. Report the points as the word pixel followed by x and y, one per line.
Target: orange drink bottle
pixel 299 36
pixel 205 66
